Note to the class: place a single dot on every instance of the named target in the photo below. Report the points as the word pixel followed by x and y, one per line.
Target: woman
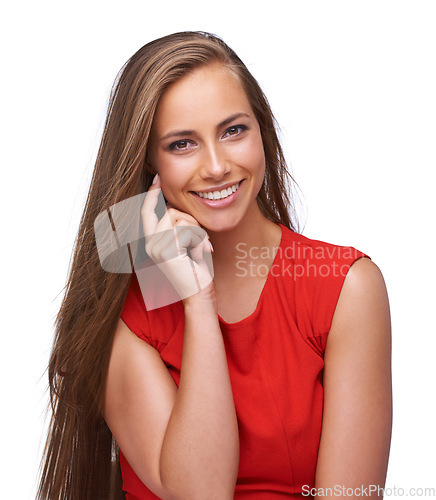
pixel 232 391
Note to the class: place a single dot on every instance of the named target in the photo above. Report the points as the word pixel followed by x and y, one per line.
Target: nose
pixel 214 164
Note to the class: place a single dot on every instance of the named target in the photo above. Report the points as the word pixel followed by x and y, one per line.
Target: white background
pixel 352 84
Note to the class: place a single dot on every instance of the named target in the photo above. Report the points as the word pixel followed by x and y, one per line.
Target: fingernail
pixel 155 179
pixel 211 247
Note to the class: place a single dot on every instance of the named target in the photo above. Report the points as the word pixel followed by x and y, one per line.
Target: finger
pixel 149 217
pixel 180 238
pixel 173 217
pixel 175 241
pixel 164 233
pixel 178 217
pixel 163 246
pixel 190 236
pixel 203 270
pixel 204 246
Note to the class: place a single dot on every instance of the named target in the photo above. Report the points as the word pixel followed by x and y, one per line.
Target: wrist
pixel 204 300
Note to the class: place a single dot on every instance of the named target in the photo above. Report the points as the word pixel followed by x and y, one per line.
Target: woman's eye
pixel 178 145
pixel 236 130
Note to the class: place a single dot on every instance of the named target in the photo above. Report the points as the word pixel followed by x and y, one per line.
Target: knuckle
pixel 148 249
pixel 165 255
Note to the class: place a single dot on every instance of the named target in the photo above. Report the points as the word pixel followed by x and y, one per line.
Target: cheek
pixel 252 156
pixel 174 177
pixel 169 169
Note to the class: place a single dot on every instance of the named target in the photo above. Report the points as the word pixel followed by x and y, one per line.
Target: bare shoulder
pixel 136 373
pixel 133 361
pixel 363 303
pixel 364 270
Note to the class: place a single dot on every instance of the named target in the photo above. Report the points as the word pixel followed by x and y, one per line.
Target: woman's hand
pixel 178 245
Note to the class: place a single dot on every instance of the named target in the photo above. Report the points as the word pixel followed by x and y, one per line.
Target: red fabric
pixel 275 359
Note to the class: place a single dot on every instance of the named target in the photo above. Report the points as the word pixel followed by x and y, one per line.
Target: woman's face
pixel 205 143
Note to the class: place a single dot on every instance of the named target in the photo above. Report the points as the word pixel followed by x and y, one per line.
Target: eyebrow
pixel 192 132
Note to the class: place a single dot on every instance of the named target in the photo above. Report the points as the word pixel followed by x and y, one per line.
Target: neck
pixel 254 232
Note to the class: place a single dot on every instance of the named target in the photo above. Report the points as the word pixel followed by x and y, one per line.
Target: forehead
pixel 208 94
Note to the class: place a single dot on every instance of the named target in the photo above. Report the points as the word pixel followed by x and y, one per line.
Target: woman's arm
pixel 182 443
pixel 357 418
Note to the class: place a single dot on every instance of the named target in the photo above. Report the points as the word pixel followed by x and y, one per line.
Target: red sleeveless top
pixel 275 358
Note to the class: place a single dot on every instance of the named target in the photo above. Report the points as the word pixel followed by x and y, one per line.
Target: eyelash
pixel 173 146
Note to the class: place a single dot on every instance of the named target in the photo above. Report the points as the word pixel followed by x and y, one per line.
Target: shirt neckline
pixel 254 314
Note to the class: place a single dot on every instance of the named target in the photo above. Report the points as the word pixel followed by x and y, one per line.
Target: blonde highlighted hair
pixel 81 458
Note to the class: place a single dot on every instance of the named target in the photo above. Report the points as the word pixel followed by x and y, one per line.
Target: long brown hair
pixel 81 458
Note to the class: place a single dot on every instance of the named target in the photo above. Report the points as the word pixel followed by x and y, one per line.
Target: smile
pixel 218 195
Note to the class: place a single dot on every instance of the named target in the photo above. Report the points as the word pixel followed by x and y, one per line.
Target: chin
pixel 221 226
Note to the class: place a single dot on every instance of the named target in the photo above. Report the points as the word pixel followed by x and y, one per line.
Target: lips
pixel 218 194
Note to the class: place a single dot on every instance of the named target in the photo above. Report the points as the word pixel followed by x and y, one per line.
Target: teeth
pixel 218 195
